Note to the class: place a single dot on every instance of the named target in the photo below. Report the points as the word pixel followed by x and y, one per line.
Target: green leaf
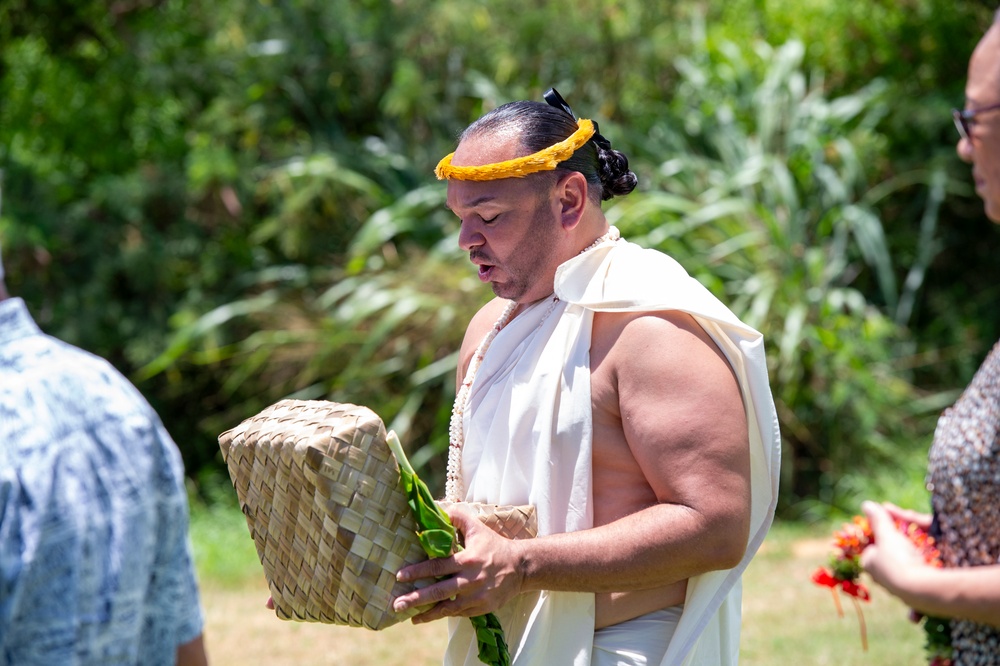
pixel 437 543
pixel 436 535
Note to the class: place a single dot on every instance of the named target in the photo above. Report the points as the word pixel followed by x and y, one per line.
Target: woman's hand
pixel 921 520
pixel 892 560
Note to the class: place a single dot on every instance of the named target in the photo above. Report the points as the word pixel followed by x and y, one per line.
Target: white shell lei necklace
pixel 455 487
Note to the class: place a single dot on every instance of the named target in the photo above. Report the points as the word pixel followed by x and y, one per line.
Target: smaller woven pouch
pixel 513 522
pixel 322 497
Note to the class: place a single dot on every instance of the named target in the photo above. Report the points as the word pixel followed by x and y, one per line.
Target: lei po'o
pixel 545 159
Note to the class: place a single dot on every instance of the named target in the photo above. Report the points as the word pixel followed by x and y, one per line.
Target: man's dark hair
pixel 540 125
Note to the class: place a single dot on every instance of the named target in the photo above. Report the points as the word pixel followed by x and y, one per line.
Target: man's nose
pixel 469 236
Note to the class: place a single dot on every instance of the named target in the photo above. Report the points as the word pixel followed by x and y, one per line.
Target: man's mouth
pixel 485 267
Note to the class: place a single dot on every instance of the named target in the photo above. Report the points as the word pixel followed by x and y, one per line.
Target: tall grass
pixel 765 195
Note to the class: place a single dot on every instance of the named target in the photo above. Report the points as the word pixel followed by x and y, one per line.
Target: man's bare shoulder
pixel 487 315
pixel 632 339
pixel 478 327
pixel 483 321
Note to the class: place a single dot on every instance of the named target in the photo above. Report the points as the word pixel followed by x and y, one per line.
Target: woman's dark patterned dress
pixel 964 479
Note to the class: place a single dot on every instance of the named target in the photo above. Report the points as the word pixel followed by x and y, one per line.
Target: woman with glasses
pixel 964 461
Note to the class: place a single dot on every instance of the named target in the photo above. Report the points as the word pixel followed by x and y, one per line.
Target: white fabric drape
pixel 528 437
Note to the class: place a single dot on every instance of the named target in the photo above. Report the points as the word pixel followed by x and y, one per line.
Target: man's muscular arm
pixel 682 418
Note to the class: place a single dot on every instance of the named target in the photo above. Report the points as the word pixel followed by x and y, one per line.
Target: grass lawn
pixel 239 630
pixel 787 621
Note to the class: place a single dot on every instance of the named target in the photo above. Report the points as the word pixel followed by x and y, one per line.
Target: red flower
pixel 826 578
pixel 852 589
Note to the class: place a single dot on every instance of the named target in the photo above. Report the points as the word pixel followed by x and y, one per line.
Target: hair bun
pixel 614 172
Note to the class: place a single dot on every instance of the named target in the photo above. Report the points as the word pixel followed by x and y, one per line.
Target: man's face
pixel 982 148
pixel 510 227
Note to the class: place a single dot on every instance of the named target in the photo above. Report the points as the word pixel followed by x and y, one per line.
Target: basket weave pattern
pixel 513 522
pixel 321 493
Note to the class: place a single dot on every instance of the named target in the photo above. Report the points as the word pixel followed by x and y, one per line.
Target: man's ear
pixel 571 193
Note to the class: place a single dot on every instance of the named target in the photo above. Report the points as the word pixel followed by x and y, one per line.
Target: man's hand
pixel 477 580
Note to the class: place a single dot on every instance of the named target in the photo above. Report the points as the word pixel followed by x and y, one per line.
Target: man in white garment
pixel 611 391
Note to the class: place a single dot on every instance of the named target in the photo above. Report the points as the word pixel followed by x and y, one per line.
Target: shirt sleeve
pixel 176 605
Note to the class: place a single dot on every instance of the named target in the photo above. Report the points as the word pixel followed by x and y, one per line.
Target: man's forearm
pixel 657 546
pixel 653 547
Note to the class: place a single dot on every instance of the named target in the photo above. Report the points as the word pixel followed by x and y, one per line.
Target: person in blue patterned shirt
pixel 95 560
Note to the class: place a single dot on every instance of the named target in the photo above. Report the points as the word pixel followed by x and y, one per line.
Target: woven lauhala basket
pixel 321 493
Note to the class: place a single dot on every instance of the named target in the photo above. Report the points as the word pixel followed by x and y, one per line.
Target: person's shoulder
pixel 478 327
pixel 74 361
pixel 44 354
pixel 638 337
pixel 489 313
pixel 659 323
pixel 483 321
pixel 58 368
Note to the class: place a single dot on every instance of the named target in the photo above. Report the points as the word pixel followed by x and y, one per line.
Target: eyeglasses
pixel 964 119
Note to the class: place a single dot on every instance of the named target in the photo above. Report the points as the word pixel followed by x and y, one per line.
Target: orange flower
pixel 853 538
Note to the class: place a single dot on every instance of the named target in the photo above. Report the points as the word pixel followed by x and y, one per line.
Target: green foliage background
pixel 233 200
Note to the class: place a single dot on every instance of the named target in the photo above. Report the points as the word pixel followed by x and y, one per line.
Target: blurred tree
pixel 233 200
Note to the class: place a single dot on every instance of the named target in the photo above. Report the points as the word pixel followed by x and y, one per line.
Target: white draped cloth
pixel 528 438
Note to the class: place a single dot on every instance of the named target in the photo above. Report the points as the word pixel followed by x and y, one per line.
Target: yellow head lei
pixel 546 159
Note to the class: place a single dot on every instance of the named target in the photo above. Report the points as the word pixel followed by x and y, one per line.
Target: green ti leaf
pixel 436 543
pixel 489 635
pixel 436 535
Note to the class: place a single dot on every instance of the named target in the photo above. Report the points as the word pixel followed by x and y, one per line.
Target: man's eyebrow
pixel 486 198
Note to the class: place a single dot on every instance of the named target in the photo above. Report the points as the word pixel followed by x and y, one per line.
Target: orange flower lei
pixel 844 570
pixel 546 159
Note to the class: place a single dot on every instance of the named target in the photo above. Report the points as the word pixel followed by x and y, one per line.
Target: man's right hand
pixel 475 581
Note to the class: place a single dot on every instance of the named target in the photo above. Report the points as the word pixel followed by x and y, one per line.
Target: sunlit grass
pixel 224 552
pixel 787 621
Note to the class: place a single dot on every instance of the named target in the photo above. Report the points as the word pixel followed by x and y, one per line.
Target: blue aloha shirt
pixel 95 560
